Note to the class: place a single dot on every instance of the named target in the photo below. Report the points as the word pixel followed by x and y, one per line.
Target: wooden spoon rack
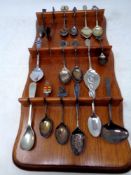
pixel 47 154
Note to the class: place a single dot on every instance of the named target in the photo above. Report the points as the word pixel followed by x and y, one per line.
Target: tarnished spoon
pixel 46 124
pixel 91 77
pixel 77 73
pixel 77 137
pixel 112 132
pixel 28 139
pixel 65 74
pixel 74 30
pixel 94 123
pixel 86 32
pixel 37 73
pixel 97 30
pixel 62 132
pixel 64 31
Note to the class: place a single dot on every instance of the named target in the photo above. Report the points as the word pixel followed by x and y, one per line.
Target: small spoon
pixel 91 77
pixel 86 32
pixel 37 73
pixel 77 73
pixel 112 132
pixel 46 124
pixel 94 123
pixel 62 132
pixel 77 137
pixel 97 30
pixel 65 74
pixel 102 59
pixel 28 139
pixel 74 30
pixel 64 31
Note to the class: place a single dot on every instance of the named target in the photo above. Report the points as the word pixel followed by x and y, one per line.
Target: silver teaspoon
pixel 94 123
pixel 37 73
pixel 65 74
pixel 28 139
pixel 91 77
pixel 97 30
pixel 77 73
pixel 64 31
pixel 62 132
pixel 86 32
pixel 77 137
pixel 74 30
pixel 46 124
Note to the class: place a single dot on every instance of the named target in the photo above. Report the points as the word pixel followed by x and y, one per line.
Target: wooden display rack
pixel 47 154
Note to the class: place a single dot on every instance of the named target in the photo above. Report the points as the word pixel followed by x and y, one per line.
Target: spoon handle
pixel 29 123
pixel 108 92
pixel 76 91
pixel 64 57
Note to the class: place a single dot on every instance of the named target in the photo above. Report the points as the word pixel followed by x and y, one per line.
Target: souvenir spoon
pixel 94 123
pixel 102 59
pixel 86 32
pixel 77 73
pixel 77 137
pixel 37 73
pixel 46 124
pixel 62 132
pixel 97 30
pixel 112 132
pixel 64 31
pixel 65 74
pixel 74 30
pixel 91 77
pixel 28 139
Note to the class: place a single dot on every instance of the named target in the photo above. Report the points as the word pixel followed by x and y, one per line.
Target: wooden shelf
pixel 98 155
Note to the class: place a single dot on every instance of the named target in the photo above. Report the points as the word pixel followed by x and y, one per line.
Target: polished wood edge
pixel 103 101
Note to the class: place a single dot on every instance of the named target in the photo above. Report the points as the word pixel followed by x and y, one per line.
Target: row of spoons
pixel 86 31
pixel 110 132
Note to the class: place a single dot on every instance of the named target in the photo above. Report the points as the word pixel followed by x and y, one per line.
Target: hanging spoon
pixel 62 132
pixel 77 73
pixel 102 59
pixel 46 124
pixel 94 123
pixel 97 30
pixel 74 30
pixel 28 139
pixel 65 74
pixel 91 77
pixel 37 73
pixel 112 132
pixel 86 32
pixel 77 137
pixel 64 31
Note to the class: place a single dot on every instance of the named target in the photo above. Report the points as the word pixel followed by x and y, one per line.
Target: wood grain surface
pixel 47 154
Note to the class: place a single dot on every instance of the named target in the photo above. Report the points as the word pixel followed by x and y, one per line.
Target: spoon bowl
pixel 37 74
pixel 28 139
pixel 77 141
pixel 62 133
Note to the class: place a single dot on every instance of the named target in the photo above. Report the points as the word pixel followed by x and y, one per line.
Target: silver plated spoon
pixel 86 32
pixel 77 73
pixel 37 73
pixel 77 139
pixel 62 131
pixel 64 31
pixel 97 30
pixel 94 123
pixel 74 30
pixel 91 77
pixel 46 124
pixel 28 139
pixel 65 74
pixel 112 132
